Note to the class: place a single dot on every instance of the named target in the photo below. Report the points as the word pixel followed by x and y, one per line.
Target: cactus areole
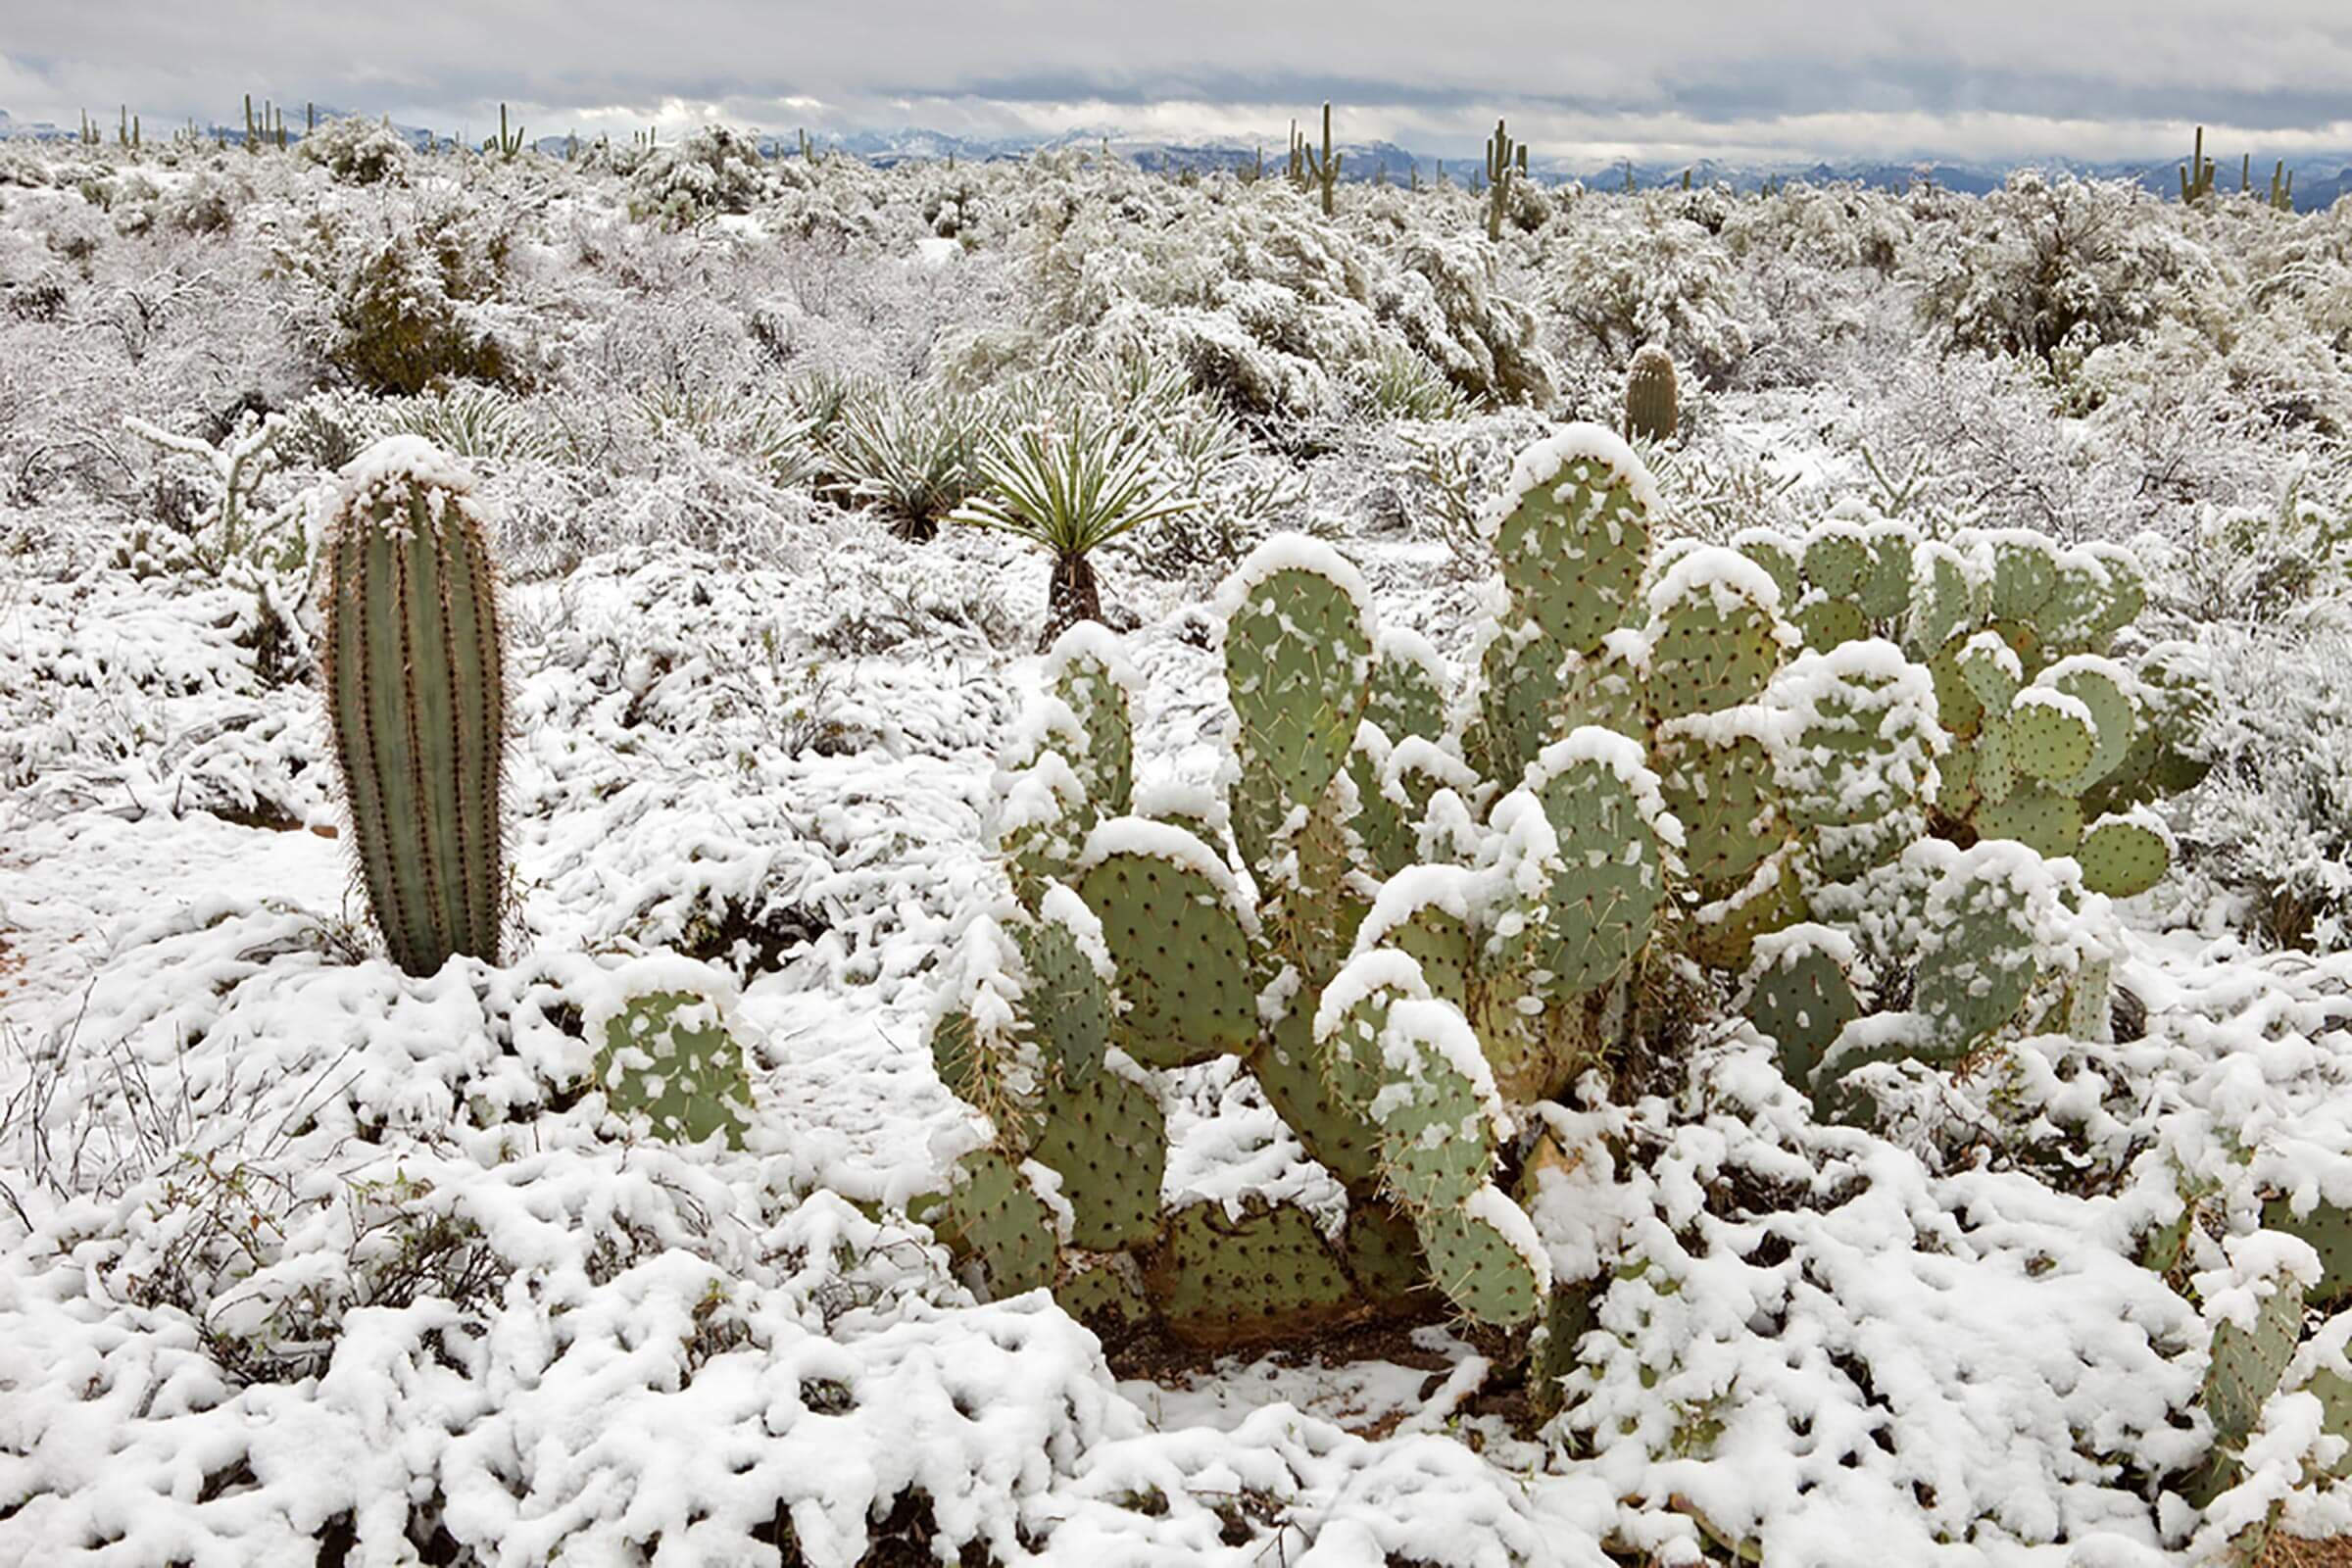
pixel 415 699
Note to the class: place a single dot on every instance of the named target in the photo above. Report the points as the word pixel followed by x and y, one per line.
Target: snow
pixel 1728 578
pixel 287 1237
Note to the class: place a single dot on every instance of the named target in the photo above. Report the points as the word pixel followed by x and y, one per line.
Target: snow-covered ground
pixel 305 1259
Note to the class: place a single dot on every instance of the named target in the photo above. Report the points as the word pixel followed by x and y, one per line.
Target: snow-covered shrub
pixel 1622 275
pixel 357 151
pixel 2271 829
pixel 406 305
pixel 2053 265
pixel 714 171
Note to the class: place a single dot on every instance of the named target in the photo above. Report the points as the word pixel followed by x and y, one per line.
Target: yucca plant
pixel 1070 485
pixel 910 453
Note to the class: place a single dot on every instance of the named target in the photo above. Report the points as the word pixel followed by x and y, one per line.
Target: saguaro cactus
pixel 1499 178
pixel 416 698
pixel 1650 413
pixel 1324 170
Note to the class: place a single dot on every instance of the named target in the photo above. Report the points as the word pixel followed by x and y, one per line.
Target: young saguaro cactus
pixel 1650 411
pixel 414 672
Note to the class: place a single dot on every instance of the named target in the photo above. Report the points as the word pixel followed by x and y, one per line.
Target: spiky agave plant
pixel 1071 484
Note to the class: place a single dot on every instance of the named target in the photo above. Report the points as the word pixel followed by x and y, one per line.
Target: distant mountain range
pixel 2319 179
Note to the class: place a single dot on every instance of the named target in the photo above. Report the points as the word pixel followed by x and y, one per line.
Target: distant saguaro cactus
pixel 1650 414
pixel 414 672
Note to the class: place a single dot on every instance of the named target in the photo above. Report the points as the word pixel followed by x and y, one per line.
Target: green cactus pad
pixel 993 1222
pixel 2113 721
pixel 1575 540
pixel 1390 842
pixel 1064 999
pixel 1088 675
pixel 1886 588
pixel 2048 741
pixel 2078 600
pixel 1945 603
pixel 1801 997
pixel 2025 570
pixel 1957 792
pixel 1382 1255
pixel 2247 1364
pixel 1108 1139
pixel 1487 1266
pixel 1857 759
pixel 2035 815
pixel 2127 591
pixel 2328 1227
pixel 1177 942
pixel 1779 556
pixel 1434 1106
pixel 668 1056
pixel 1836 558
pixel 1440 942
pixel 1043 819
pixel 1336 1134
pixel 1520 691
pixel 1298 661
pixel 1603 688
pixel 2122 857
pixel 1829 623
pixel 1104 1292
pixel 1717 781
pixel 1995 774
pixel 1977 959
pixel 1601 895
pixel 1712 646
pixel 1222 1282
pixel 1723 934
pixel 1351 1019
pixel 1957 710
pixel 1319 885
pixel 1991 669
pixel 1410 689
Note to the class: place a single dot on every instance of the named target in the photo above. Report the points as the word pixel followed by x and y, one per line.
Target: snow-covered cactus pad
pixel 1800 995
pixel 1178 935
pixel 1085 669
pixel 1572 533
pixel 1298 643
pixel 664 1050
pixel 1597 840
pixel 1856 755
pixel 415 671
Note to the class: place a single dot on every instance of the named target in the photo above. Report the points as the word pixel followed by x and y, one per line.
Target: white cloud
pixel 1677 78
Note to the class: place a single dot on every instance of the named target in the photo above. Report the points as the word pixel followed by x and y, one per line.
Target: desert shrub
pixel 408 302
pixel 357 151
pixel 714 171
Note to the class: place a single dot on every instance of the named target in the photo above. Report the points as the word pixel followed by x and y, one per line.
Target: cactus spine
pixel 415 695
pixel 1650 411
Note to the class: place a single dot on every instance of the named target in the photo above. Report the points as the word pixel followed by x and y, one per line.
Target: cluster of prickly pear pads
pixel 1409 913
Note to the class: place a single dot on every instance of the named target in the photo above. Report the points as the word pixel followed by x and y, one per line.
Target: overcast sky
pixel 1664 80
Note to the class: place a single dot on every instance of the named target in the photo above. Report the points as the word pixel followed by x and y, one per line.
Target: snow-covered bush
pixel 357 149
pixel 712 170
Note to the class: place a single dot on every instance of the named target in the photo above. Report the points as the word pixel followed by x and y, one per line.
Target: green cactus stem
pixel 415 671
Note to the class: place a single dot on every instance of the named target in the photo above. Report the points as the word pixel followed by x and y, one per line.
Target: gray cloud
pixel 1680 77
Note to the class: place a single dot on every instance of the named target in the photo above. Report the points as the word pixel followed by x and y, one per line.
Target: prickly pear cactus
pixel 413 664
pixel 665 1052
